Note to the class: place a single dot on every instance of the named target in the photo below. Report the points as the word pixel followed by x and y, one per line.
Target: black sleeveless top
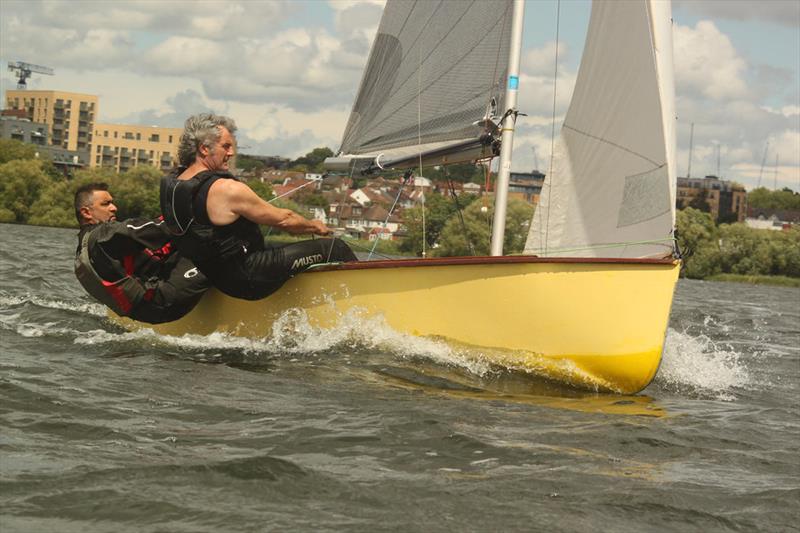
pixel 183 204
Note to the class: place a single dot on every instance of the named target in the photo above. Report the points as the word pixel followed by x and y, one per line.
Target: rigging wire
pixel 458 211
pixel 419 149
pixel 552 133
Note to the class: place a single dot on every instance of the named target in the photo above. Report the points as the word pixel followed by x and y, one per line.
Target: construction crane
pixel 24 71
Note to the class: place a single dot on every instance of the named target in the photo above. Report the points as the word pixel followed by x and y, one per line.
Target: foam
pixel 86 308
pixel 293 335
pixel 698 363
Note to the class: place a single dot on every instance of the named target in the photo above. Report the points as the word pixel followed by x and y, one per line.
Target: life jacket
pixel 198 239
pixel 120 279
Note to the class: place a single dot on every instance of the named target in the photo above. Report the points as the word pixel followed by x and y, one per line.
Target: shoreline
pixel 776 281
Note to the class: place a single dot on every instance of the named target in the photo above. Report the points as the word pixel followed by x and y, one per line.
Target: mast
pixel 507 140
pixel 763 160
pixel 691 145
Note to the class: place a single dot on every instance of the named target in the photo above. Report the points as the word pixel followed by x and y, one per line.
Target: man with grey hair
pixel 216 218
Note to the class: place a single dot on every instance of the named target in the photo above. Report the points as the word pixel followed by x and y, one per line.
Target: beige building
pixel 70 118
pixel 725 200
pixel 123 147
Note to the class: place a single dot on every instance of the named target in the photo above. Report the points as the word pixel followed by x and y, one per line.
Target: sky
pixel 287 71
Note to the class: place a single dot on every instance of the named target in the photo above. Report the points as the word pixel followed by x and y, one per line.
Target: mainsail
pixel 611 191
pixel 435 74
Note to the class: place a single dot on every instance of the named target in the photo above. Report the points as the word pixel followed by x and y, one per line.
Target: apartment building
pixel 122 147
pixel 526 186
pixel 725 200
pixel 69 116
pixel 71 126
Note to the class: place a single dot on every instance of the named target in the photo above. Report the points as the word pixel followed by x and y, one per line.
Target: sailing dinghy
pixel 589 303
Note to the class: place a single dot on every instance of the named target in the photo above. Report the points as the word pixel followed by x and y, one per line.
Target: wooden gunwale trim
pixel 488 260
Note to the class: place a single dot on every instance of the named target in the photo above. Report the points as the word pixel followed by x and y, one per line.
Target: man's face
pixel 217 158
pixel 101 209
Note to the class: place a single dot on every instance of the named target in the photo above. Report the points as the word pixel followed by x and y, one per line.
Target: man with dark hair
pixel 130 266
pixel 216 218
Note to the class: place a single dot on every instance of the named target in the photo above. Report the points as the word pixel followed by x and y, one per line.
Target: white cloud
pixel 707 63
pixel 289 82
pixel 185 55
pixel 782 12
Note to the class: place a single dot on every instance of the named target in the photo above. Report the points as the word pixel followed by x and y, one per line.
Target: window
pixel 154 138
pixel 138 136
pixel 105 133
pixel 115 134
pixel 170 139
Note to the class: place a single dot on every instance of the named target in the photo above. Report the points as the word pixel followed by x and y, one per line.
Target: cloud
pixel 707 63
pixel 782 12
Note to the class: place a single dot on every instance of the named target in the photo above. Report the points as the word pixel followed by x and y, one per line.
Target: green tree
pixel 696 233
pixel 136 192
pixel 312 161
pixel 248 163
pixel 438 209
pixel 478 224
pixel 11 149
pixel 54 207
pixel 744 250
pixel 786 252
pixel 762 198
pixel 263 190
pixel 462 173
pixel 21 183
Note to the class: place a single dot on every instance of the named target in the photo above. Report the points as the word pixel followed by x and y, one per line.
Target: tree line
pixel 782 200
pixel 710 250
pixel 33 191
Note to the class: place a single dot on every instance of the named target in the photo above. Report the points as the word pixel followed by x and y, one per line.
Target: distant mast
pixel 775 177
pixel 763 161
pixel 691 146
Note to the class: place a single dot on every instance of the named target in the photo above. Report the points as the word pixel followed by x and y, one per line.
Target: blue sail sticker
pixel 513 82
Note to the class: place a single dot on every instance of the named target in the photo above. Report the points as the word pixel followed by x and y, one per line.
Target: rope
pixel 306 184
pixel 552 134
pixel 616 244
pixel 406 179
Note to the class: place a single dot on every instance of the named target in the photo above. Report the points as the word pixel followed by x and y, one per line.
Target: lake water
pixel 104 430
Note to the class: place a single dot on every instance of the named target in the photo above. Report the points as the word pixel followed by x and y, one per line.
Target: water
pixel 364 429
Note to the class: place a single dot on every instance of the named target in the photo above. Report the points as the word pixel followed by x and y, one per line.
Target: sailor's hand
pixel 319 228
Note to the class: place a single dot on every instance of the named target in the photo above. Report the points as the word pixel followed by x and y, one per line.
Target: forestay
pixel 611 192
pixel 437 69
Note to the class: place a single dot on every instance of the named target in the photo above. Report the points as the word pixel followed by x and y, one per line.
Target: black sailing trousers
pixel 258 274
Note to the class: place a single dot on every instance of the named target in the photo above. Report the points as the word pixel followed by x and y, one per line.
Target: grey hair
pixel 201 130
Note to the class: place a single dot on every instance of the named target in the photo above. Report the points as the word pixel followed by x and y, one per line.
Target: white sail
pixel 611 192
pixel 437 70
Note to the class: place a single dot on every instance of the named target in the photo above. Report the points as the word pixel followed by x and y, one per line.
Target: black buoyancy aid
pixel 195 236
pixel 117 276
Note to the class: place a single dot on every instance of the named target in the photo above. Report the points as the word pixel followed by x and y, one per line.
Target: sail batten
pixel 613 177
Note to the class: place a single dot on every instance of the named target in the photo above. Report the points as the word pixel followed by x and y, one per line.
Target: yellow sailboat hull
pixel 594 323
